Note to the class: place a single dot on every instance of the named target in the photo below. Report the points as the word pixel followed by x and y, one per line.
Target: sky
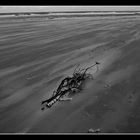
pixel 10 9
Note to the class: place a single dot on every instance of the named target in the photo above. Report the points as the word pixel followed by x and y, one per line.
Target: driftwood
pixel 69 85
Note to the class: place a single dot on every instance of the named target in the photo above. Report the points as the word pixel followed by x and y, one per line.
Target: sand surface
pixel 37 53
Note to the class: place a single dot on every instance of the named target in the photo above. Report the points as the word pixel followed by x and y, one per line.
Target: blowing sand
pixel 36 54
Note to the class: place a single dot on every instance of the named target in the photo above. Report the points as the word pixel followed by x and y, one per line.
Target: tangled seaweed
pixel 69 85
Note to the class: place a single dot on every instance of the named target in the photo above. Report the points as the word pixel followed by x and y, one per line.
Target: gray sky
pixel 7 9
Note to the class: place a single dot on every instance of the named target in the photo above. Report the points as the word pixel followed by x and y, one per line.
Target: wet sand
pixel 37 53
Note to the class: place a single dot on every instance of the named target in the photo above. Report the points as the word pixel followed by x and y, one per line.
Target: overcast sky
pixel 7 9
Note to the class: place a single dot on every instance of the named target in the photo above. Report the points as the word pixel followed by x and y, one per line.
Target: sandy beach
pixel 37 53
